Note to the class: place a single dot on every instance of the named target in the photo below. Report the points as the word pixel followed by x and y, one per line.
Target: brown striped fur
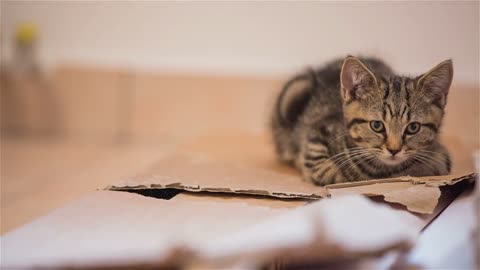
pixel 355 119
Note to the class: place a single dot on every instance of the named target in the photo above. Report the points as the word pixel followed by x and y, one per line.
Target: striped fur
pixel 355 119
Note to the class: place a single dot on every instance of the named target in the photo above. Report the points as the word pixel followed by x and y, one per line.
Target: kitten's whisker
pixel 437 155
pixel 340 136
pixel 428 161
pixel 353 157
pixel 434 155
pixel 360 161
pixel 417 159
pixel 433 161
pixel 345 153
pixel 430 155
pixel 430 152
pixel 340 162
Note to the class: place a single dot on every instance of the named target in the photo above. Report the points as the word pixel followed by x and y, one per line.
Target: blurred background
pixel 92 91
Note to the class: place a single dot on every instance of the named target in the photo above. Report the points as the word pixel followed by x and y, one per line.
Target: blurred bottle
pixel 27 102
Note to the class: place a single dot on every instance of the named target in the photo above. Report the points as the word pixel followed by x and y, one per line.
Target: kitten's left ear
pixel 356 79
pixel 436 82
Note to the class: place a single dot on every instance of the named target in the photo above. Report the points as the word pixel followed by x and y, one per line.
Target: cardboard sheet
pixel 119 229
pixel 200 173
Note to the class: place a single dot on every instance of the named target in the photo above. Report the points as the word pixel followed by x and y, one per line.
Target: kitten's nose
pixel 393 151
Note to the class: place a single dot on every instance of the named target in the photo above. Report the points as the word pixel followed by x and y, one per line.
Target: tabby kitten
pixel 356 119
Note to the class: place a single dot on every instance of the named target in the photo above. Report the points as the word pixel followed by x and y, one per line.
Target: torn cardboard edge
pixel 433 181
pixel 441 180
pixel 195 173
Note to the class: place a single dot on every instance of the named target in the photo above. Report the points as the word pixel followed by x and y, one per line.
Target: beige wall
pixel 251 37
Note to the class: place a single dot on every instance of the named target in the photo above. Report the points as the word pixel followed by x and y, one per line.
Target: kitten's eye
pixel 377 126
pixel 413 128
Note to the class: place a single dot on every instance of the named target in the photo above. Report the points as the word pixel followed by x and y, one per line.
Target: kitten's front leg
pixel 316 166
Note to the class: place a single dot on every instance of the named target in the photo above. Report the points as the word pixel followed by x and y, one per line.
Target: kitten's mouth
pixel 393 160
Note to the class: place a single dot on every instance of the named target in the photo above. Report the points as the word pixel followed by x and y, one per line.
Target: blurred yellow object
pixel 26 33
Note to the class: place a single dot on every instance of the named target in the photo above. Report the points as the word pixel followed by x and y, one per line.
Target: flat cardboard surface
pixel 194 172
pixel 200 173
pixel 40 176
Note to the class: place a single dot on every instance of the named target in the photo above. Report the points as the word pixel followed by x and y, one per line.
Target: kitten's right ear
pixel 435 84
pixel 356 79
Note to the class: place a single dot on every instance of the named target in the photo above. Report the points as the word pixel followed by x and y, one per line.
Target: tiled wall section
pixel 122 105
pixel 102 104
pixel 172 106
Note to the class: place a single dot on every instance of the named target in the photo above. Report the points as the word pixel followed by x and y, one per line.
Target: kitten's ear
pixel 356 79
pixel 435 84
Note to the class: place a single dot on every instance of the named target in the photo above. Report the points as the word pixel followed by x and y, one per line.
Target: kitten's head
pixel 393 118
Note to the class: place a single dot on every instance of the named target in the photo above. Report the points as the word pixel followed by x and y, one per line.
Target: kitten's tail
pixel 289 106
pixel 294 96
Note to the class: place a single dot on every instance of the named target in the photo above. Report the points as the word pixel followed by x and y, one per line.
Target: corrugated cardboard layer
pixel 196 173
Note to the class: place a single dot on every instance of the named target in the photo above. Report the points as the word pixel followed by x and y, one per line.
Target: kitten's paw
pixel 323 174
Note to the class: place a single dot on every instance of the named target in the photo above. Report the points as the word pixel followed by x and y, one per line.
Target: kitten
pixel 356 119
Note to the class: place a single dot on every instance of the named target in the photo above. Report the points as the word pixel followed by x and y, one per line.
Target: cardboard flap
pixel 197 173
pixel 118 230
pixel 417 194
pixel 318 232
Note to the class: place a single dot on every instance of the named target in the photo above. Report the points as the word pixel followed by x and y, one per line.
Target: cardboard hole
pixel 164 194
